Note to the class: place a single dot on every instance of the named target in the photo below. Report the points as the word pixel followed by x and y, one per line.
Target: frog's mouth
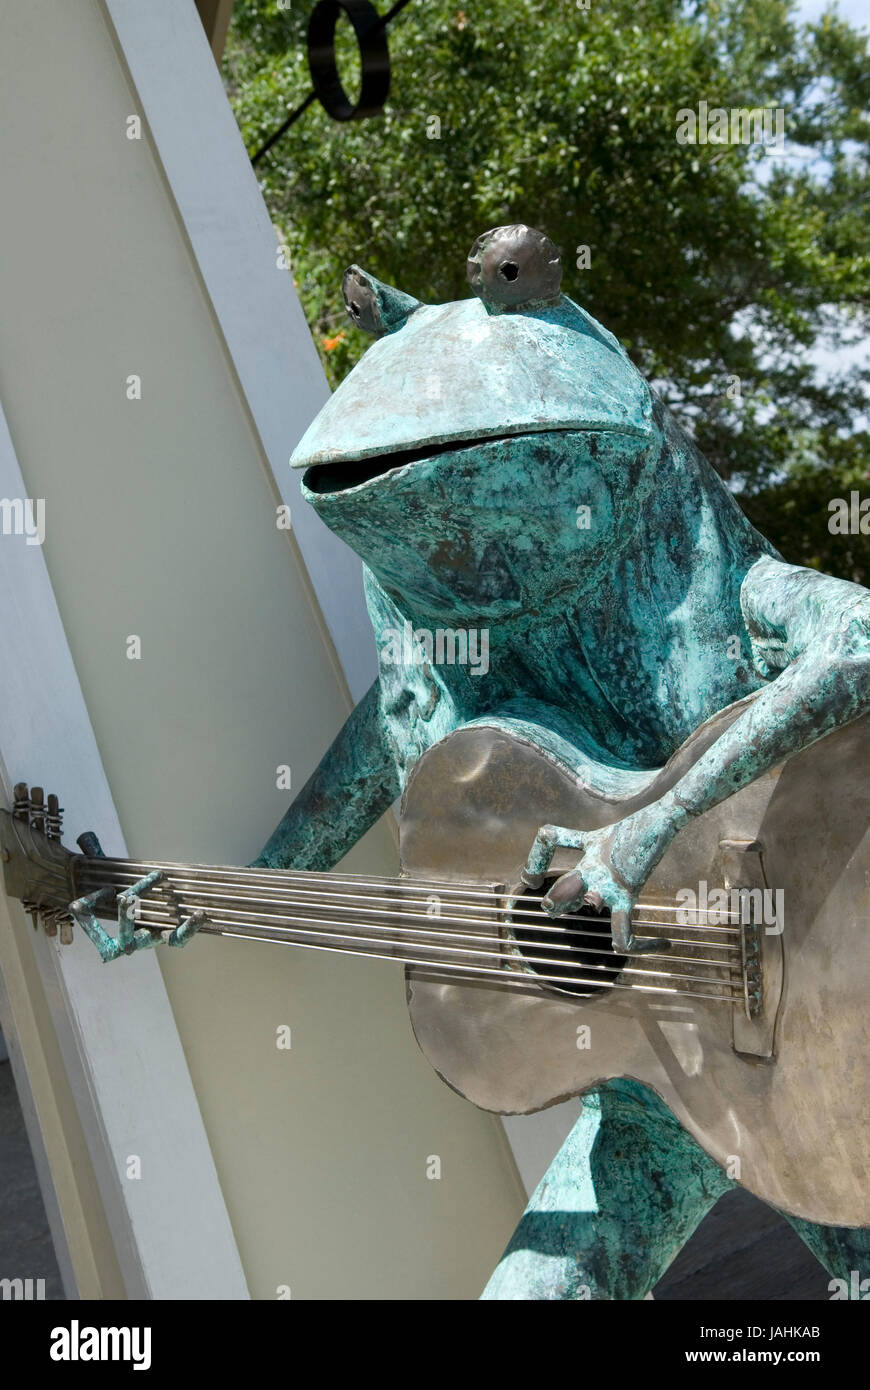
pixel 342 474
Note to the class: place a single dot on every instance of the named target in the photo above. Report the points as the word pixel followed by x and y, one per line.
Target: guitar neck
pixel 466 931
pixel 388 918
pixel 461 931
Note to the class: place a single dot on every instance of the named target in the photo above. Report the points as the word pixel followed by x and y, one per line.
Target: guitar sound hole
pixel 587 962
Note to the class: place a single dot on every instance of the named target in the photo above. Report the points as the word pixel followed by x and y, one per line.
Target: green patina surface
pixel 623 1195
pixel 505 471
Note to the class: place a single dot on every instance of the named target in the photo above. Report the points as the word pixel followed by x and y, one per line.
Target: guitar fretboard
pixel 462 931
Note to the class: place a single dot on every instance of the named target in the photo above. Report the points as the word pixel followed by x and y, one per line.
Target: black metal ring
pixel 371 36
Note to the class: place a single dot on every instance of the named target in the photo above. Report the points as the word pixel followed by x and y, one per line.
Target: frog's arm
pixel 809 631
pixel 354 783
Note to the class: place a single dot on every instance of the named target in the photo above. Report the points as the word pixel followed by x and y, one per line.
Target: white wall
pixel 160 523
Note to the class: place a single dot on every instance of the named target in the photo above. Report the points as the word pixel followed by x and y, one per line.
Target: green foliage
pixel 709 262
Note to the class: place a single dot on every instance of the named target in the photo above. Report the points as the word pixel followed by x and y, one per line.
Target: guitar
pixel 742 1004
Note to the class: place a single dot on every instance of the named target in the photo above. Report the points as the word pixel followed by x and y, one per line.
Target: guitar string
pixel 230 877
pixel 463 970
pixel 334 880
pixel 445 938
pixel 550 925
pixel 339 886
pixel 498 949
pixel 108 870
pixel 336 885
pixel 197 901
pixel 199 895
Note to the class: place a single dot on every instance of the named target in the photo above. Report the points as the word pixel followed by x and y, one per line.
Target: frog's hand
pixel 572 890
pixel 130 938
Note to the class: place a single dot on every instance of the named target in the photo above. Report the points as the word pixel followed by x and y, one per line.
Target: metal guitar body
pixel 779 1098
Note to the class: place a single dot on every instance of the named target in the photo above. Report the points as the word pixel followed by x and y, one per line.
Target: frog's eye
pixel 373 306
pixel 514 267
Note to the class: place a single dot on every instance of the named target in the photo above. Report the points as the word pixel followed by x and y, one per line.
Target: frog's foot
pixel 130 938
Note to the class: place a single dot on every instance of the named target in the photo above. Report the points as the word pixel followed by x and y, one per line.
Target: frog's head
pixel 486 452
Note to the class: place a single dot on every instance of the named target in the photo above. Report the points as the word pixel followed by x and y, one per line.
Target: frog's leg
pixel 844 1251
pixel 620 1199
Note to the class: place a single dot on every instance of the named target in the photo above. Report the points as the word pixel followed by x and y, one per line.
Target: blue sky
pixel 827 358
pixel 856 11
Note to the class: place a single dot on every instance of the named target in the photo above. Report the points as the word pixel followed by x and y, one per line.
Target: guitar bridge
pixel 759 922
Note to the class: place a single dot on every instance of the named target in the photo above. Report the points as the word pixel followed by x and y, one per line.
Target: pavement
pixel 26 1249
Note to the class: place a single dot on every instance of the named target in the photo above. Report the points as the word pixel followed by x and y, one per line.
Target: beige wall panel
pixel 161 524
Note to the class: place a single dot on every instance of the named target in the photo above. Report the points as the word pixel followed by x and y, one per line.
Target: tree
pixel 722 267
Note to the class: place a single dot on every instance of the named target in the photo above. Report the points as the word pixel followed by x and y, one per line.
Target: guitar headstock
pixel 36 867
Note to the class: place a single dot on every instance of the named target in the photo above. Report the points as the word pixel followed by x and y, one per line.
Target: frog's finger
pixel 621 934
pixel 548 839
pixel 566 893
pixel 186 930
pixel 625 943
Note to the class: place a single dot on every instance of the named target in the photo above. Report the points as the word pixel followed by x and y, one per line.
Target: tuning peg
pixel 90 845
pixel 21 801
pixel 66 931
pixel 37 809
pixel 53 818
